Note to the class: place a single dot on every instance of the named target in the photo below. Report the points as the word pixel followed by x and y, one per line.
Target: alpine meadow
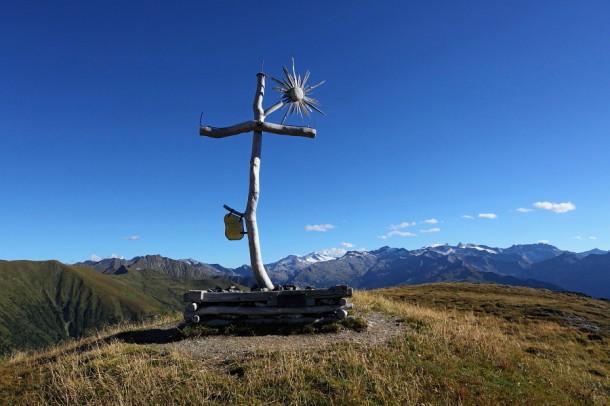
pixel 310 203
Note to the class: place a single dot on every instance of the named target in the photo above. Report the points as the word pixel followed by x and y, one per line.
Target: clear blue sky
pixel 437 111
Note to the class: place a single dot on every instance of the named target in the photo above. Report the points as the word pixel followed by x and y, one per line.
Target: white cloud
pixel 466 216
pixel 97 258
pixel 333 252
pixel 319 227
pixel 404 224
pixel 430 221
pixel 543 241
pixel 132 238
pixel 556 207
pixel 524 210
pixel 398 233
pixel 431 230
pixel 401 234
pixel 347 245
pixel 592 237
pixel 488 215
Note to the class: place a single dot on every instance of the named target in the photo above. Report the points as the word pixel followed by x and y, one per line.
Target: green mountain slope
pixel 44 302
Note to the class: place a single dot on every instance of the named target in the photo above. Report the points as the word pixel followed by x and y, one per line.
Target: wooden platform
pixel 271 306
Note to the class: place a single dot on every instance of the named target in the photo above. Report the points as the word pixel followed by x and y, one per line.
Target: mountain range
pixel 532 265
pixel 187 268
pixel 43 302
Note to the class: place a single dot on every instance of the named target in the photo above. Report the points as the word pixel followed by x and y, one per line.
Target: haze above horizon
pixel 474 122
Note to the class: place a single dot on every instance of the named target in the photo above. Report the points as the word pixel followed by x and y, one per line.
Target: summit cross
pixel 295 96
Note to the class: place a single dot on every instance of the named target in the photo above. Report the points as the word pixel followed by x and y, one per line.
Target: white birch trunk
pixel 256 260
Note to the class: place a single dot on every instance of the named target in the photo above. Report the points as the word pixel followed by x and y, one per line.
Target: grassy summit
pixel 457 344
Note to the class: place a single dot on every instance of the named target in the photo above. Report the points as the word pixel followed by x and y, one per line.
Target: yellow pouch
pixel 234 227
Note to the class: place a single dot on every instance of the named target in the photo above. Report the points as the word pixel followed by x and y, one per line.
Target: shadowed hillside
pixel 44 302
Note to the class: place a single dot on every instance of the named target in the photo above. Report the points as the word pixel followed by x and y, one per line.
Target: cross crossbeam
pixel 261 126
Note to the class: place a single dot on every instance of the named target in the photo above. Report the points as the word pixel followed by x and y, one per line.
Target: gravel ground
pixel 217 349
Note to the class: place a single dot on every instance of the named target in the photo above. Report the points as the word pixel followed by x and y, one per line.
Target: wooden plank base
pixel 201 296
pixel 281 306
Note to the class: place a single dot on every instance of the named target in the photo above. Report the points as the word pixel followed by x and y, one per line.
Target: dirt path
pixel 217 349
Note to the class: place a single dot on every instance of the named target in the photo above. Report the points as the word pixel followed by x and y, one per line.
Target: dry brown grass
pixel 444 356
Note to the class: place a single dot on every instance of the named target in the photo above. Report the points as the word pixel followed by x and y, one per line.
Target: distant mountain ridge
pixel 398 266
pixel 531 265
pixel 594 251
pixel 187 269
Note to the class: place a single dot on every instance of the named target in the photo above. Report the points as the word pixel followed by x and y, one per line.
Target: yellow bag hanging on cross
pixel 234 227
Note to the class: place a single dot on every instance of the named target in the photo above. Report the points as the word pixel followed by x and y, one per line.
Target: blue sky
pixel 471 121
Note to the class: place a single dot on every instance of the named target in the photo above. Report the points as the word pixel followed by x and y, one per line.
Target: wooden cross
pixel 295 95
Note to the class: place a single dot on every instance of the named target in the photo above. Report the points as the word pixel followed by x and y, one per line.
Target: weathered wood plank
pixel 267 311
pixel 258 321
pixel 201 296
pixel 260 126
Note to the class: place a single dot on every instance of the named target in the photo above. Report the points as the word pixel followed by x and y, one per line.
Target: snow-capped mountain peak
pixel 191 261
pixel 317 257
pixel 299 261
pixel 477 247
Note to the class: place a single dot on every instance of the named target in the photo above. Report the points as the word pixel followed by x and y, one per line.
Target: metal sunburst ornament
pixel 295 94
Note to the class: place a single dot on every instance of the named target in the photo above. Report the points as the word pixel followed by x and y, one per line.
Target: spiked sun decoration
pixel 295 94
